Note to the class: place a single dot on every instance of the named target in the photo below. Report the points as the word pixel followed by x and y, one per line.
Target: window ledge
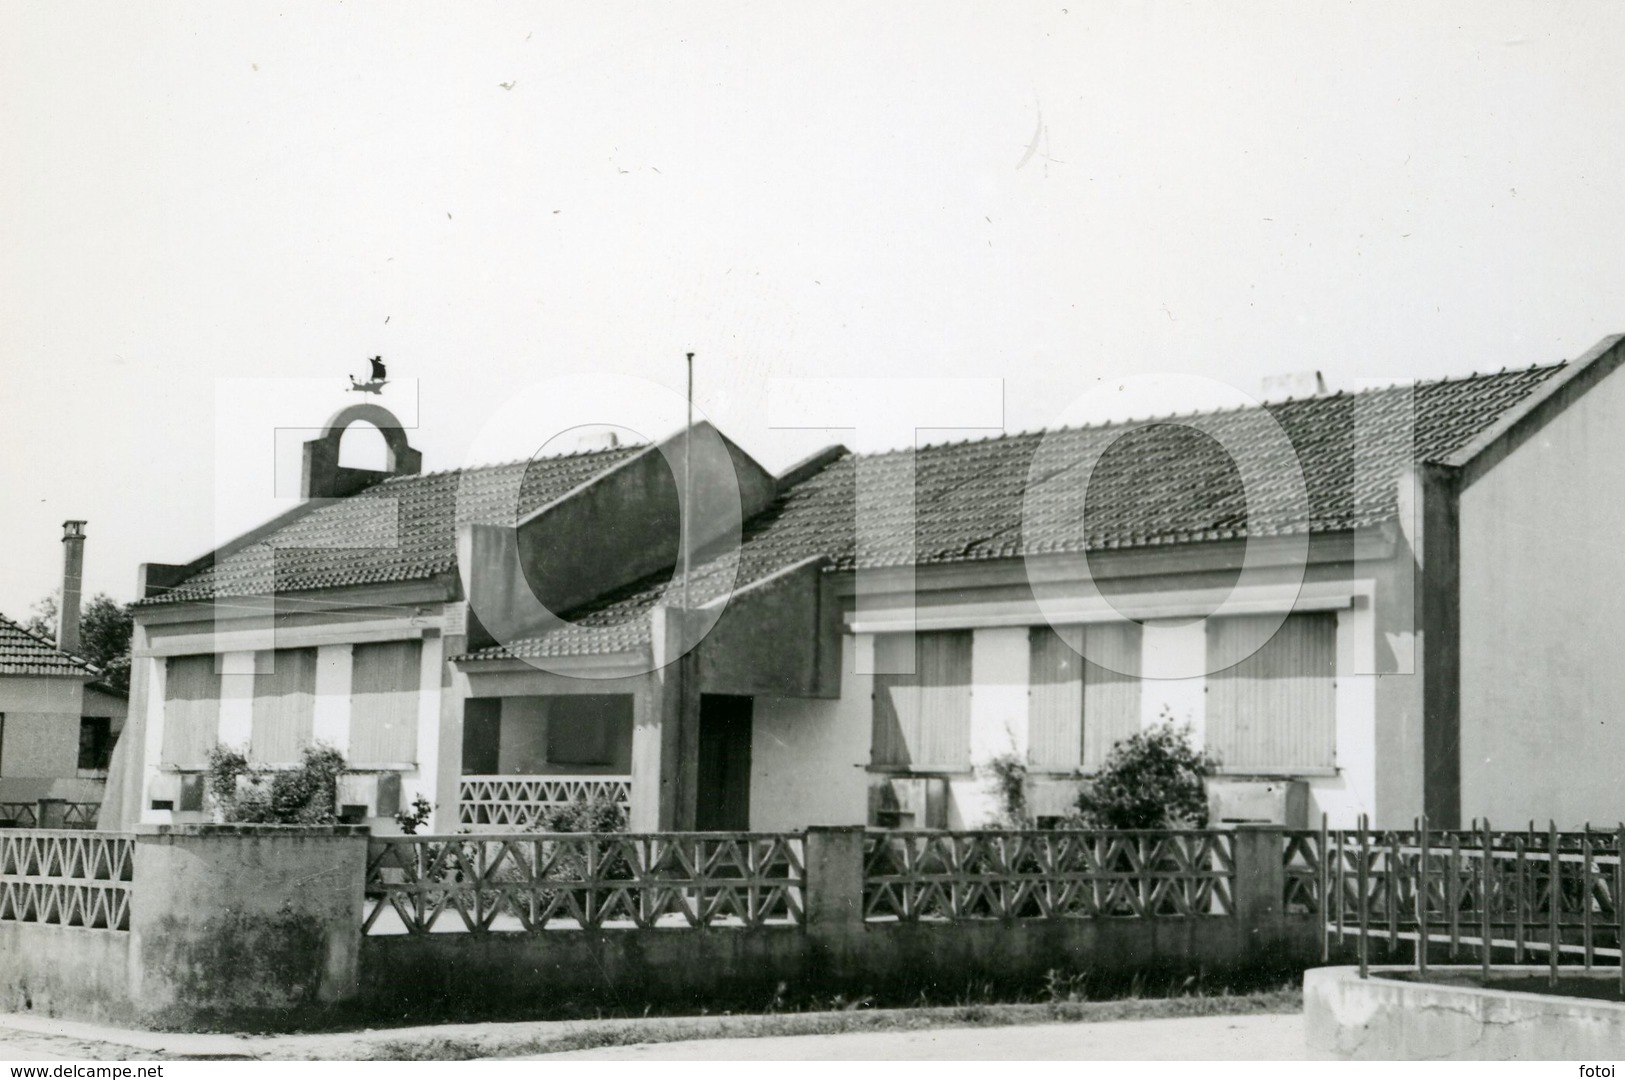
pixel 1282 772
pixel 922 772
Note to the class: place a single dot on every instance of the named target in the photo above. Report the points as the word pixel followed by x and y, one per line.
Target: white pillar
pixel 153 748
pixel 236 729
pixel 1174 649
pixel 429 664
pixel 1000 659
pixel 1354 791
pixel 330 717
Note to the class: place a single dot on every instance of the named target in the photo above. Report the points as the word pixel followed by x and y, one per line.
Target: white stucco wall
pixel 1352 792
pixel 39 736
pixel 1169 649
pixel 809 758
pixel 1542 621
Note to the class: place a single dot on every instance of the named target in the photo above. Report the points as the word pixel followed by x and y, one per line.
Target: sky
pixel 211 215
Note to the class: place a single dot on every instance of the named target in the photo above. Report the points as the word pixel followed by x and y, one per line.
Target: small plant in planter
pixel 414 817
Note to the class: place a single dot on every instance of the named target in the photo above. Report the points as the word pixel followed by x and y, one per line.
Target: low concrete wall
pixel 1384 1018
pixel 499 974
pixel 245 925
pixel 65 971
pixel 837 950
pixel 951 956
pixel 572 970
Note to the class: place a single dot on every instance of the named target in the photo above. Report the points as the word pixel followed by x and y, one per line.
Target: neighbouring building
pixel 1404 601
pixel 58 722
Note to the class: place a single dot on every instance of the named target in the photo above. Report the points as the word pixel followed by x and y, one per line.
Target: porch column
pixel 446 793
pixel 430 681
pixel 665 731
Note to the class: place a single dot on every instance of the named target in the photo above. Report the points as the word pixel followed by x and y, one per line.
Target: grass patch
pixel 854 1016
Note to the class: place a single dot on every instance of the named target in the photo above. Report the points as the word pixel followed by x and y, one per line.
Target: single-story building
pixel 58 721
pixel 1393 602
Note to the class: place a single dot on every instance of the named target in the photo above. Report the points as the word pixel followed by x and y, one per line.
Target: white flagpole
pixel 688 478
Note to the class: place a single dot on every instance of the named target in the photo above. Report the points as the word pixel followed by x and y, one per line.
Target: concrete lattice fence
pixel 912 876
pixel 66 878
pixel 279 926
pixel 49 814
pixel 528 882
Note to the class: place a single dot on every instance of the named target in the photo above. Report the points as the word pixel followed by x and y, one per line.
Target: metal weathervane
pixel 374 385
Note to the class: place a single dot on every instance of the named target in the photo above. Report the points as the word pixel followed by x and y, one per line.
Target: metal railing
pixel 66 878
pixel 518 802
pixel 537 881
pixel 913 876
pixel 1499 896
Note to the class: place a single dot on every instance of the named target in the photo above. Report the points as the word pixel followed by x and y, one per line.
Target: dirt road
pixel 1201 1038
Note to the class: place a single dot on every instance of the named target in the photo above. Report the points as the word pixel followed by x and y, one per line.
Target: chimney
pixel 1296 385
pixel 73 571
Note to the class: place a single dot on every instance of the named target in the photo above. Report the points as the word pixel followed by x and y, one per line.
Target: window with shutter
pixel 1077 710
pixel 191 711
pixel 284 705
pixel 384 703
pixel 922 721
pixel 1276 709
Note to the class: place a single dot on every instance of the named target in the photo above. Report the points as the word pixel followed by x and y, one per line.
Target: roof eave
pixel 1547 402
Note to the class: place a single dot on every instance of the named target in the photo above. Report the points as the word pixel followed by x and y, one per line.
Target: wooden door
pixel 722 801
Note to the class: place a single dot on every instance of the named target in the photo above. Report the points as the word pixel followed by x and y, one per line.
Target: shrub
pixel 597 814
pixel 227 767
pixel 415 818
pixel 1006 774
pixel 243 793
pixel 1151 780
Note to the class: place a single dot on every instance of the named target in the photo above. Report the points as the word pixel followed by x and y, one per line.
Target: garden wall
pixel 264 927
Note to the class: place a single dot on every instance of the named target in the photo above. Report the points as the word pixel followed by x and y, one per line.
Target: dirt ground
pixel 1202 1038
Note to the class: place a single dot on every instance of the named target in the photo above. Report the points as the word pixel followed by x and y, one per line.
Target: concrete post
pixel 1259 890
pixel 245 923
pixel 51 814
pixel 834 898
pixel 665 737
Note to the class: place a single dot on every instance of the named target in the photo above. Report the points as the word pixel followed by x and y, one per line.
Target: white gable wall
pixel 1543 621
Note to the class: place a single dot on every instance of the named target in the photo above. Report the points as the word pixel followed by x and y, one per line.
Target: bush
pixel 597 814
pixel 243 793
pixel 590 815
pixel 1151 780
pixel 1007 776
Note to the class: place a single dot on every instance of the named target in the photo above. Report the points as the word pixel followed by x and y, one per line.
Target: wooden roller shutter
pixel 384 703
pixel 284 705
pixel 1078 709
pixel 1277 709
pixel 922 720
pixel 191 711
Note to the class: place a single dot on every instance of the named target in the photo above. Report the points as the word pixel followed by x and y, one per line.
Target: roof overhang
pixel 1548 401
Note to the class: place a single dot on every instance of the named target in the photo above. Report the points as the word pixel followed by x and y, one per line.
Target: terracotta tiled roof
pixel 1159 485
pixel 24 653
pixel 403 529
